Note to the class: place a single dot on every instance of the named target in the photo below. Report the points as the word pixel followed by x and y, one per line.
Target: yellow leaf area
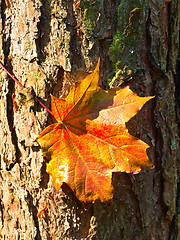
pixel 90 140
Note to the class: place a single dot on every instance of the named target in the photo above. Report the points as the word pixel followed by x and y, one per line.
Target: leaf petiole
pixel 13 78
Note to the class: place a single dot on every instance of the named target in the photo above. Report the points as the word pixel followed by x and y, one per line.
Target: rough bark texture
pixel 47 45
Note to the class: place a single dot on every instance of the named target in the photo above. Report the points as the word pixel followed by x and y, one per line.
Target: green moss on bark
pixel 125 49
pixel 90 12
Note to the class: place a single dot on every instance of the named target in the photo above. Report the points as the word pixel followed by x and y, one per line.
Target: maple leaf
pixel 90 140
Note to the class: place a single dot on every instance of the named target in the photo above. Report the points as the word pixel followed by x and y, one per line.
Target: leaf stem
pixel 1 65
pixel 44 106
pixel 11 76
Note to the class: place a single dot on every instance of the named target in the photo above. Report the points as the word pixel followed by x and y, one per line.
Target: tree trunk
pixel 48 45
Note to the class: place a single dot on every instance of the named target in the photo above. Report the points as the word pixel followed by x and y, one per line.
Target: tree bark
pixel 50 44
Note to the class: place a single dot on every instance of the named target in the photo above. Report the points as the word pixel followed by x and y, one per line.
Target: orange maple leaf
pixel 90 140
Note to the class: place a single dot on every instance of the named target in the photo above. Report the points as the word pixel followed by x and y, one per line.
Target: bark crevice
pixel 33 210
pixel 6 43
